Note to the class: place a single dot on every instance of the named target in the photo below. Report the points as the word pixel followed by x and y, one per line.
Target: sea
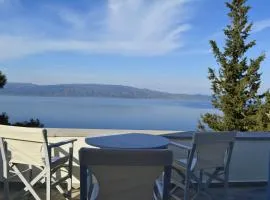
pixel 107 113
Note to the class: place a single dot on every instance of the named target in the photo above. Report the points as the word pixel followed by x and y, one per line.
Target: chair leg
pixel 69 182
pixel 39 177
pixel 200 184
pixel 30 177
pixel 6 184
pixel 3 149
pixel 69 188
pixel 187 182
pixel 48 185
pixel 61 190
pixel 26 183
pixel 226 183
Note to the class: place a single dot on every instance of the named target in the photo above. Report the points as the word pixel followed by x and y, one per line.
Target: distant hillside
pixel 90 90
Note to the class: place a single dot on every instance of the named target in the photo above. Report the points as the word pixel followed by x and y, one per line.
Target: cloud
pixel 127 27
pixel 261 25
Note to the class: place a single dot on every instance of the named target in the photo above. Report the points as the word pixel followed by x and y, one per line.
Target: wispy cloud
pixel 128 27
pixel 261 25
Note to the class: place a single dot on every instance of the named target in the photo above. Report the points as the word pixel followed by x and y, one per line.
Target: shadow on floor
pixel 235 193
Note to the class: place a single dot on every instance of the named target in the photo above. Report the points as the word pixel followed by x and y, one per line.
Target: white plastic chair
pixel 207 159
pixel 29 146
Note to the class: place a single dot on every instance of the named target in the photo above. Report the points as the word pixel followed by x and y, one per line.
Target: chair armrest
pixel 58 144
pixel 181 146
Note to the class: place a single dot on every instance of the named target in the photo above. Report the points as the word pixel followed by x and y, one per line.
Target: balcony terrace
pixel 248 169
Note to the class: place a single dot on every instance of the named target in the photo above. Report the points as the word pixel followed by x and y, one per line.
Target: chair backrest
pixel 24 145
pixel 213 149
pixel 125 174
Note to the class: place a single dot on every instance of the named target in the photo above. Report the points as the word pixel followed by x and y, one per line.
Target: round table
pixel 129 141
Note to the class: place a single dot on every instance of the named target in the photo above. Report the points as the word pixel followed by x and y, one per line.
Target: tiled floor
pixel 41 192
pixel 239 193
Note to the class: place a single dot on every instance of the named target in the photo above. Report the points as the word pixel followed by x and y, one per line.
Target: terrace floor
pixel 235 193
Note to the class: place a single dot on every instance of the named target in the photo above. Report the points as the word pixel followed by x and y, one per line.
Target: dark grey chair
pixel 208 158
pixel 108 174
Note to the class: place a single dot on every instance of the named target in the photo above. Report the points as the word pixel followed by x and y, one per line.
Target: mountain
pixel 90 90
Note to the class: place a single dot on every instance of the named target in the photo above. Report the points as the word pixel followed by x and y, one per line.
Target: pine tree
pixel 263 115
pixel 235 86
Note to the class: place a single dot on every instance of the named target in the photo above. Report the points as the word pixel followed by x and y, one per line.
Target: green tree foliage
pixel 235 85
pixel 4 119
pixel 3 80
pixel 263 115
pixel 31 123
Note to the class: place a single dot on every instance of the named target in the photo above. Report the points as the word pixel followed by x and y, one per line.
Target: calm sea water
pixel 106 113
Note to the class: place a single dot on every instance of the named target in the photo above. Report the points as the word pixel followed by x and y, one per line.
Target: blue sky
pixel 156 44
